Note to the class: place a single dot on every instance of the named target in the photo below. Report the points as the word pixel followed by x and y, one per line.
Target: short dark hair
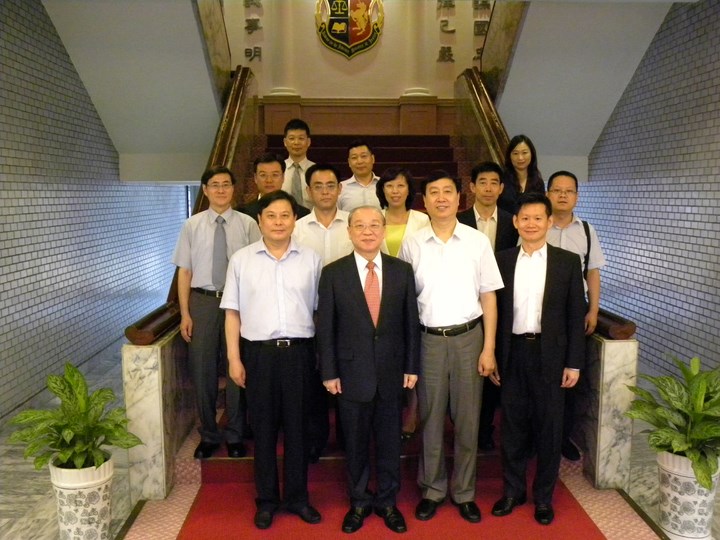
pixel 355 143
pixel 486 166
pixel 279 195
pixel 217 169
pixel 438 174
pixel 298 124
pixel 554 175
pixel 533 197
pixel 389 175
pixel 320 167
pixel 269 158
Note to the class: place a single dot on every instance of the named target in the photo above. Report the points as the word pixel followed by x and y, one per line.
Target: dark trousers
pixel 278 382
pixel 379 419
pixel 318 413
pixel 206 350
pixel 490 402
pixel 532 410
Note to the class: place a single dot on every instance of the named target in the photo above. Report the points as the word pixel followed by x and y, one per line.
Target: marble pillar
pixel 602 431
pixel 160 407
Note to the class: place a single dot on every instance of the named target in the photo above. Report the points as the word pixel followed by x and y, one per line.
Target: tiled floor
pixel 27 507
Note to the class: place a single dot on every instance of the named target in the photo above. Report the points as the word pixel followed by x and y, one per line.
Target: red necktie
pixel 372 292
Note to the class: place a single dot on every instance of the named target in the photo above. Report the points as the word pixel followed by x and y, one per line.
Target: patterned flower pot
pixel 83 501
pixel 686 508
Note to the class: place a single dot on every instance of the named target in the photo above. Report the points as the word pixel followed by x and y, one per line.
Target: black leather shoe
pixel 236 450
pixel 505 505
pixel 314 454
pixel 469 511
pixel 570 451
pixel 426 509
pixel 205 449
pixel 394 520
pixel 308 514
pixel 544 514
pixel 354 518
pixel 263 519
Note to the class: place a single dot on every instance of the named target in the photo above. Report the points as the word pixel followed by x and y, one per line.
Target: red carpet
pixel 226 510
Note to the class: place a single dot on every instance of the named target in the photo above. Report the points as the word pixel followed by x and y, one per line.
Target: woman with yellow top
pixel 396 193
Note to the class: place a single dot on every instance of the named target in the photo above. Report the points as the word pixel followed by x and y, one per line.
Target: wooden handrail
pixel 233 124
pixel 478 117
pixel 614 326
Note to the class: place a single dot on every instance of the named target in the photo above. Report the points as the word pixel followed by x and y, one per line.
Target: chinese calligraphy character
pixel 441 4
pixel 481 4
pixel 480 28
pixel 478 54
pixel 253 3
pixel 252 25
pixel 445 55
pixel 445 27
pixel 252 53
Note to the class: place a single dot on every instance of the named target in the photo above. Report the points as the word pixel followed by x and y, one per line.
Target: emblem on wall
pixel 349 27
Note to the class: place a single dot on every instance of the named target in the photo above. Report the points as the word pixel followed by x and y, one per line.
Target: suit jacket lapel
pixel 355 288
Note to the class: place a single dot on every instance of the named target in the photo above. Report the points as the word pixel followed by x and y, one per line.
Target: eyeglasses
pixel 319 188
pixel 563 192
pixel 219 187
pixel 360 227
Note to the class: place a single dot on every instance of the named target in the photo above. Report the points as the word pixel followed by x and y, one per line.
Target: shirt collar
pixel 542 252
pixel 477 215
pixel 362 262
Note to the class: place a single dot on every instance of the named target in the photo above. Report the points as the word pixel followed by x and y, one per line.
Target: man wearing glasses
pixel 206 242
pixel 269 169
pixel 324 230
pixel 571 233
pixel 368 339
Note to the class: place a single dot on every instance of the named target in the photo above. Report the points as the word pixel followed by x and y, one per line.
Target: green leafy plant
pixel 686 418
pixel 74 434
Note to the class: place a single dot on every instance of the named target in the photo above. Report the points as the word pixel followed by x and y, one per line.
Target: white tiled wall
pixel 81 254
pixel 654 192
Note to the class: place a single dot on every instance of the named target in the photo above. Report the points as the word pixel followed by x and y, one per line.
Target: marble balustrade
pixel 160 407
pixel 601 430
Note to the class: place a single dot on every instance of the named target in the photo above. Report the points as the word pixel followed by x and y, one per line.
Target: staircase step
pixel 408 153
pixel 342 141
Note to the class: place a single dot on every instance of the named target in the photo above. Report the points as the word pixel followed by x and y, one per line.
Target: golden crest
pixel 349 27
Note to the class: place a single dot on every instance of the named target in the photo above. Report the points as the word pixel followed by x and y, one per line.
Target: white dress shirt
pixel 305 164
pixel 528 292
pixel 331 242
pixel 450 276
pixel 354 194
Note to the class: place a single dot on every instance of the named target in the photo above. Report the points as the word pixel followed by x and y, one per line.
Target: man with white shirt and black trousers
pixel 270 297
pixel 540 350
pixel 297 141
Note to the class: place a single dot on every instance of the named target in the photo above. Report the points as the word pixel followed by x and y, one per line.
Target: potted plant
pixel 73 439
pixel 685 420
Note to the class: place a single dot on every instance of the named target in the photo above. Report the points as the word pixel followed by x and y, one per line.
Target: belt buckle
pixel 218 294
pixel 531 336
pixel 443 332
pixel 282 343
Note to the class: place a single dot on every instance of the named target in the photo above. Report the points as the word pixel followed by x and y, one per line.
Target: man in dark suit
pixel 495 223
pixel 369 338
pixel 541 348
pixel 269 176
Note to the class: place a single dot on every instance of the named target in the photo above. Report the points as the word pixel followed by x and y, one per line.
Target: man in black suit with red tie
pixel 485 215
pixel 368 338
pixel 540 350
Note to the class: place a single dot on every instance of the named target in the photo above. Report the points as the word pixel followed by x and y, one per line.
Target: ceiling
pixel 153 90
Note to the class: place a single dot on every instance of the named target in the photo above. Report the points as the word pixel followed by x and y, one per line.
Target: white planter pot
pixel 686 508
pixel 83 501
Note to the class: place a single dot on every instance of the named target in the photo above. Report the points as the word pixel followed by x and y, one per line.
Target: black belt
pixel 527 335
pixel 216 294
pixel 281 343
pixel 449 331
